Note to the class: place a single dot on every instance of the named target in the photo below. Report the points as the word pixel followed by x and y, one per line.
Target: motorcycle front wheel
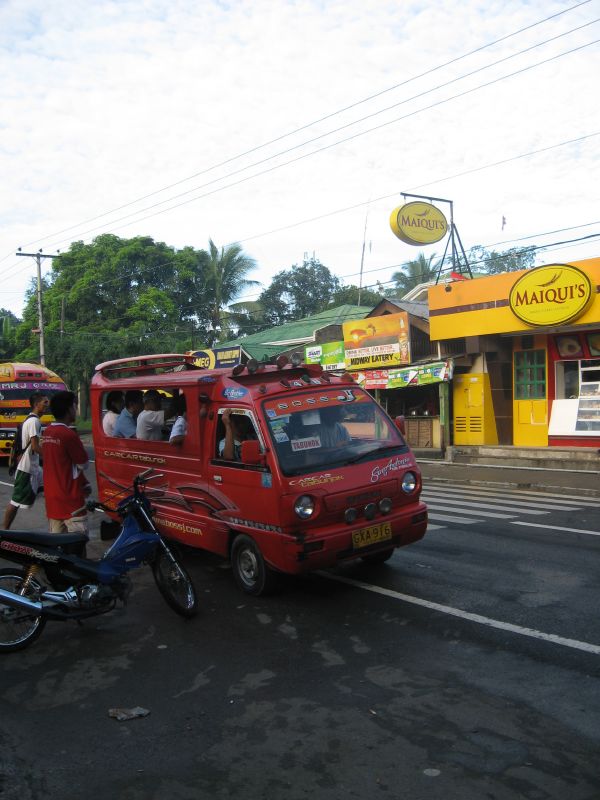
pixel 174 584
pixel 18 627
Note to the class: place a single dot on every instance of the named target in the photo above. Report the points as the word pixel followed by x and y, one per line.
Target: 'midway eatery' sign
pixel 418 223
pixel 377 342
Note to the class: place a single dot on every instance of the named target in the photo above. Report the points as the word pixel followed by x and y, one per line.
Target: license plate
pixel 375 533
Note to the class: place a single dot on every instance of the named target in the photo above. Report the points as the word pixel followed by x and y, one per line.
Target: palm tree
pixel 225 276
pixel 419 270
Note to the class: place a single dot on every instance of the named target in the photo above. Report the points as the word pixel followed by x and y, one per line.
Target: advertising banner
pixel 329 355
pixel 409 376
pixel 377 342
pixel 220 357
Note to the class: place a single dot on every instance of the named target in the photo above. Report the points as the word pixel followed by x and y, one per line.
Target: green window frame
pixel 530 375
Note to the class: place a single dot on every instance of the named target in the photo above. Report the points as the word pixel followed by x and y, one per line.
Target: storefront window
pixel 567 380
pixel 530 374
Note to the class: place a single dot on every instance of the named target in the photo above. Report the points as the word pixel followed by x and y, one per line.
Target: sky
pixel 294 127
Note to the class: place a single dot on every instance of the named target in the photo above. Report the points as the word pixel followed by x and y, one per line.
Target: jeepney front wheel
pixel 250 571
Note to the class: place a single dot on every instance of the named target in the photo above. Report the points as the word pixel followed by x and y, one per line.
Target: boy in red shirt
pixel 65 459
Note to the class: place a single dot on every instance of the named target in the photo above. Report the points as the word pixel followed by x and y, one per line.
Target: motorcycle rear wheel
pixel 18 628
pixel 174 584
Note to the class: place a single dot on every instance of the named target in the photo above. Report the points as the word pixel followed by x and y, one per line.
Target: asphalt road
pixel 467 667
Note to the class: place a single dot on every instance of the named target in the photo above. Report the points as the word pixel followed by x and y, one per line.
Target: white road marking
pixel 4 483
pixel 445 518
pixel 478 513
pixel 525 493
pixel 435 527
pixel 467 615
pixel 551 505
pixel 471 502
pixel 556 528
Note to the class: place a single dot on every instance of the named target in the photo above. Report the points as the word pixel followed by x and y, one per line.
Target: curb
pixel 541 487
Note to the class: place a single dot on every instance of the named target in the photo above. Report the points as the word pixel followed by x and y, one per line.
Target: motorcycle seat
pixel 44 539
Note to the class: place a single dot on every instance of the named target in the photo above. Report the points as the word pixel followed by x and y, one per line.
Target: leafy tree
pixel 116 297
pixel 8 322
pixel 349 295
pixel 491 262
pixel 419 270
pixel 298 292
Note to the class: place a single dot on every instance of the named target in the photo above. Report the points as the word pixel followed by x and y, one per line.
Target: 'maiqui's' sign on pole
pixel 418 223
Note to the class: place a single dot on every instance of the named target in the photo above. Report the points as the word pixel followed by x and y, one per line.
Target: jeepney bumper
pixel 328 546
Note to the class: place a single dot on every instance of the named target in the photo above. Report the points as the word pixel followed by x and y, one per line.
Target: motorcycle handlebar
pixel 146 475
pixel 96 505
pixel 92 505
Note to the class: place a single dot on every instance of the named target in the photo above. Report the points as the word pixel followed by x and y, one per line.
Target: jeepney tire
pixel 250 571
pixel 379 558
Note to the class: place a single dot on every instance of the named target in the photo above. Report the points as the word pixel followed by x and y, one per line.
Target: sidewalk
pixel 584 483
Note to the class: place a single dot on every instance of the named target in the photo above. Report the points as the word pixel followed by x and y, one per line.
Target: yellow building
pixel 532 339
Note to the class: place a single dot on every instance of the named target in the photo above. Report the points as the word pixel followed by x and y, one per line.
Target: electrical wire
pixel 329 146
pixel 313 123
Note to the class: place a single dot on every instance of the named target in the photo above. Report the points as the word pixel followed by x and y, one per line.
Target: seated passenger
pixel 125 424
pixel 238 428
pixel 114 405
pixel 151 420
pixel 179 429
pixel 331 432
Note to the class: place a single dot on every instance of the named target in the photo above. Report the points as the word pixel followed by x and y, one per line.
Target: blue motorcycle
pixel 78 587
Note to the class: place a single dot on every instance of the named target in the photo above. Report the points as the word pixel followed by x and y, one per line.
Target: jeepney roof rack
pixel 147 365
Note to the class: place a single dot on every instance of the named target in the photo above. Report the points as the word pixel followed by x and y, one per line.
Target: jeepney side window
pixel 160 412
pixel 243 428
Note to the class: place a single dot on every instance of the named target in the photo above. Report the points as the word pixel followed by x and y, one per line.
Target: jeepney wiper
pixel 375 453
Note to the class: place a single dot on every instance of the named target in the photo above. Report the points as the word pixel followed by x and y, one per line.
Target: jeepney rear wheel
pixel 250 571
pixel 379 558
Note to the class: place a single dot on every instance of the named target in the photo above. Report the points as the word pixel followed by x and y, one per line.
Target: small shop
pixel 534 340
pixel 419 393
pixel 377 351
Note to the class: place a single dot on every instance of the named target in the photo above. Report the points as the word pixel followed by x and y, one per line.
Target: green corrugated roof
pixel 275 340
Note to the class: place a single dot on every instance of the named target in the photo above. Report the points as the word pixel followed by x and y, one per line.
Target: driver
pixel 238 429
pixel 331 431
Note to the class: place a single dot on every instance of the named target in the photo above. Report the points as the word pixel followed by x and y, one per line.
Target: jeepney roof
pixel 176 370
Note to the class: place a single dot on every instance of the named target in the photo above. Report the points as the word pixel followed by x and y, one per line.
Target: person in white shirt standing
pixel 28 477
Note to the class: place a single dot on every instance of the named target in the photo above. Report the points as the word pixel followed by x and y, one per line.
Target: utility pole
pixel 38 257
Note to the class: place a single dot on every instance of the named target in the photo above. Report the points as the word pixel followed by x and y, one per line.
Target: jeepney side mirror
pixel 400 423
pixel 251 453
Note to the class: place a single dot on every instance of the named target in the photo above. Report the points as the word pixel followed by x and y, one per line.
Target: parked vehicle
pixel 303 491
pixel 17 383
pixel 82 587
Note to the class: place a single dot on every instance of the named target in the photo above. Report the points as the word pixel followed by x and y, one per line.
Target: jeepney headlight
pixel 409 482
pixel 304 506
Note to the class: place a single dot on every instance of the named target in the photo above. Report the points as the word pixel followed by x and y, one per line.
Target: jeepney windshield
pixel 327 428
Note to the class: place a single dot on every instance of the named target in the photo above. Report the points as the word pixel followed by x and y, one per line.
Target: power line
pixel 316 122
pixel 439 180
pixel 339 141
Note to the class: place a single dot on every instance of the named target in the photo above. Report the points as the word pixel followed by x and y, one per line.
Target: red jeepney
pixel 323 475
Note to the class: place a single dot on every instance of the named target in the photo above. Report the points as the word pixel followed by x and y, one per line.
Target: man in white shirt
pixel 179 429
pixel 151 420
pixel 28 477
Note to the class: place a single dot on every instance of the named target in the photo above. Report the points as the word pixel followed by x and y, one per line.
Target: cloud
pixel 103 103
